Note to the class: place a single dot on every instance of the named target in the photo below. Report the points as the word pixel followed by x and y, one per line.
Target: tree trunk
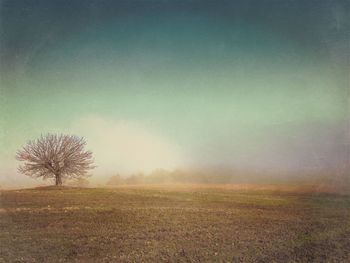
pixel 58 179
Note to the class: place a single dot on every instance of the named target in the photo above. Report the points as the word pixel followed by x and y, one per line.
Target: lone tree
pixel 57 157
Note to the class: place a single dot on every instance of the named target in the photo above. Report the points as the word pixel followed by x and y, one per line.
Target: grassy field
pixel 185 223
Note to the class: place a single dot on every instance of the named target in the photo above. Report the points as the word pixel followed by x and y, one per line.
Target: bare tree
pixel 55 157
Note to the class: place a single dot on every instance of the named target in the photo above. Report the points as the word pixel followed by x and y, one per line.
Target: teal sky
pixel 259 85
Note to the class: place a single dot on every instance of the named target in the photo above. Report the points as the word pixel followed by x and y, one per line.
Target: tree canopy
pixel 55 156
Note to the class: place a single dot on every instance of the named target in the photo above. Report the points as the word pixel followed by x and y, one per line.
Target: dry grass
pixel 183 223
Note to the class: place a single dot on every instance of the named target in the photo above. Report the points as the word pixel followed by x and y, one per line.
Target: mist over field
pixel 224 91
pixel 174 131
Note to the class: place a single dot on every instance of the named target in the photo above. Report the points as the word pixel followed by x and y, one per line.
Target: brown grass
pixel 175 223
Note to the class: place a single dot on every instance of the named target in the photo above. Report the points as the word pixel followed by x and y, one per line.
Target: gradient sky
pixel 259 85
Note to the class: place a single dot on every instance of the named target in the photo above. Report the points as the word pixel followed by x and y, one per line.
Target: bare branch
pixel 55 156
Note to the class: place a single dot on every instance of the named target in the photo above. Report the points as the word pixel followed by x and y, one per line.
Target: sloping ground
pixel 174 224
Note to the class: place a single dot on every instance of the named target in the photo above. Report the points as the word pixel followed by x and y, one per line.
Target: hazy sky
pixel 257 85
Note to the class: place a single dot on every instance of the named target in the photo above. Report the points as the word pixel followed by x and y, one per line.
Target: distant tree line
pixel 215 176
pixel 161 176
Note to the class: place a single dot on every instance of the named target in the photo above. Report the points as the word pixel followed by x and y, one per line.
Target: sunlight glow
pixel 126 147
